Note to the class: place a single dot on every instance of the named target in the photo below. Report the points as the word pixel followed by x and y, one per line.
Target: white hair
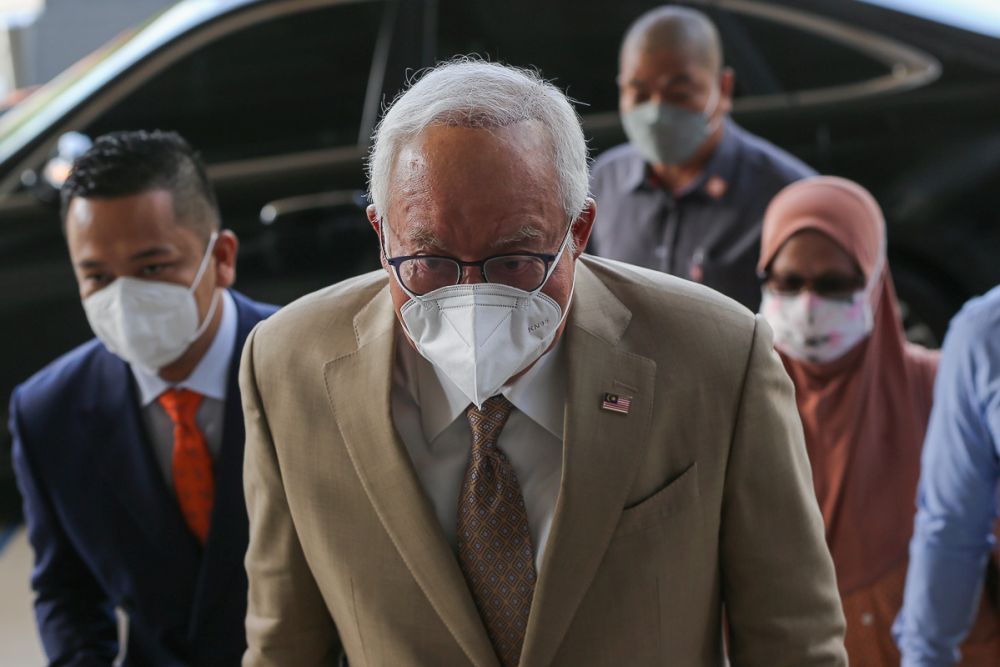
pixel 477 94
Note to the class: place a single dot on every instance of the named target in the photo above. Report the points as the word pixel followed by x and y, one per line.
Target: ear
pixel 376 222
pixel 373 219
pixel 224 251
pixel 583 226
pixel 727 84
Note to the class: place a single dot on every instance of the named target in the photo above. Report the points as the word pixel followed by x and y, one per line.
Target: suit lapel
pixel 228 536
pixel 126 460
pixel 387 474
pixel 601 453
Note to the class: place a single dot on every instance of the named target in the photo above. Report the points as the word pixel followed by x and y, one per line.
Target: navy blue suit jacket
pixel 106 530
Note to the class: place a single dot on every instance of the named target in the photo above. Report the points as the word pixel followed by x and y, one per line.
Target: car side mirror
pixel 313 207
pixel 324 234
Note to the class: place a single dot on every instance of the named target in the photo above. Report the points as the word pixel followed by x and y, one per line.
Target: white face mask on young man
pixel 149 323
pixel 480 335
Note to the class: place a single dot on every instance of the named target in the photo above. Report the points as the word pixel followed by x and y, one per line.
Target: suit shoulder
pixel 655 291
pixel 330 309
pixel 674 319
pixel 257 309
pixel 45 394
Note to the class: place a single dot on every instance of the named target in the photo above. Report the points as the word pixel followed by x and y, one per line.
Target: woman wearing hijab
pixel 864 395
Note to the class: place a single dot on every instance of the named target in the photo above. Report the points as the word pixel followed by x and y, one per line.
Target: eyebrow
pixel 423 236
pixel 156 251
pixel 826 275
pixel 525 233
pixel 149 253
pixel 681 79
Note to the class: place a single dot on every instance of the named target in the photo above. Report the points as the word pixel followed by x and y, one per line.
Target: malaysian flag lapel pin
pixel 617 403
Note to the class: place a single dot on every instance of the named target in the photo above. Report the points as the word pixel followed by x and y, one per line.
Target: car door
pixel 280 98
pixel 279 110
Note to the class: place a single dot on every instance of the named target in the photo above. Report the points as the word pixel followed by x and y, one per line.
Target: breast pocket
pixel 679 495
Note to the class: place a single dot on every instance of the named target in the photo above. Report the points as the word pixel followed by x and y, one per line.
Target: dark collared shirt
pixel 710 232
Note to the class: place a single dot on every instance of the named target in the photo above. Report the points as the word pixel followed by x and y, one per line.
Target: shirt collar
pixel 210 377
pixel 722 164
pixel 540 393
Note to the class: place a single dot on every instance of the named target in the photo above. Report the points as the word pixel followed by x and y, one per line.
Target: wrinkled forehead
pixel 463 174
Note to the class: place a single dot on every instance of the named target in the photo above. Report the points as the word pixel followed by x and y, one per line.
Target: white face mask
pixel 149 323
pixel 480 335
pixel 817 329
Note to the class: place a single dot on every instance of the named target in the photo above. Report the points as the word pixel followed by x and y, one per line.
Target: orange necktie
pixel 192 464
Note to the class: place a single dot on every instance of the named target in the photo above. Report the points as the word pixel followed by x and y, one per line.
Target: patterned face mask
pixel 814 328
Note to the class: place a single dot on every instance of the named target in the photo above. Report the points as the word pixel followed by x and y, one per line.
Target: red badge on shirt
pixel 716 187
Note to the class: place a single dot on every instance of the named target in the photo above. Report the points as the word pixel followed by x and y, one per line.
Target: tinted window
pixel 292 83
pixel 577 44
pixel 574 43
pixel 772 57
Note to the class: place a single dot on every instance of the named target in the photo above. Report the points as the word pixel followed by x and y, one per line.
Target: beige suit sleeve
pixel 779 585
pixel 287 621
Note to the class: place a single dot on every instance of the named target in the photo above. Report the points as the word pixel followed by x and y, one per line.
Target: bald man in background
pixel 686 195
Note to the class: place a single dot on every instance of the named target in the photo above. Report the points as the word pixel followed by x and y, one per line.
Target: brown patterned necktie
pixel 494 541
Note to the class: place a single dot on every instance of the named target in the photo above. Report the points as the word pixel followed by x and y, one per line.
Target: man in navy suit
pixel 129 449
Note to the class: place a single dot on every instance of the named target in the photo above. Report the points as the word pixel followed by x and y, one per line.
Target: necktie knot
pixel 181 405
pixel 487 422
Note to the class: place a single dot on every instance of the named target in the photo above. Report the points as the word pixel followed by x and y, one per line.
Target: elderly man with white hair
pixel 498 451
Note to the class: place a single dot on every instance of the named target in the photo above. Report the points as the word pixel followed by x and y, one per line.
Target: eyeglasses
pixel 425 273
pixel 830 285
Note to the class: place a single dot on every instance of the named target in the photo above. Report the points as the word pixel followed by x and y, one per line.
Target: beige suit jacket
pixel 699 497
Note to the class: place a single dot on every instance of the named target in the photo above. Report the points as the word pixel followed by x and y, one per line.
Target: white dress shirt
pixel 210 378
pixel 428 411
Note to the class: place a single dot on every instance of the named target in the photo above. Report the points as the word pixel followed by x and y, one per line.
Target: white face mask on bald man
pixel 482 334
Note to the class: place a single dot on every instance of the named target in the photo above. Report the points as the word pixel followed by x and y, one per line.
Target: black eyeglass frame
pixel 394 262
pixel 547 257
pixel 838 294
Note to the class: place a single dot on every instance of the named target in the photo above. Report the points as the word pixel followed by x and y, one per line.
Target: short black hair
pixel 120 164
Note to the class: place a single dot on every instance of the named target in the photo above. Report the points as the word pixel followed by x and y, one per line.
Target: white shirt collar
pixel 211 376
pixel 540 393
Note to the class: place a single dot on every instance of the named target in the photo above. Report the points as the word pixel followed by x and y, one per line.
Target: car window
pixel 292 83
pixel 771 56
pixel 577 45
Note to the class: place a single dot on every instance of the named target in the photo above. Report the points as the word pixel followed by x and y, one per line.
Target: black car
pixel 281 97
